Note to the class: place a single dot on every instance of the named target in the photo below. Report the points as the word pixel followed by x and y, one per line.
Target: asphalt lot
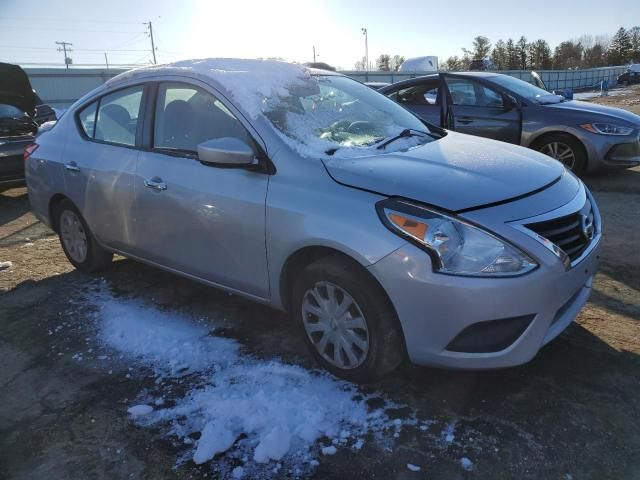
pixel 571 413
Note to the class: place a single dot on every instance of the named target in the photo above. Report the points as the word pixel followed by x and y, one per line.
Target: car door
pixel 423 99
pixel 198 219
pixel 100 163
pixel 476 108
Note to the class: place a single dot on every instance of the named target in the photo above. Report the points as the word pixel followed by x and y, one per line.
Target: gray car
pixel 586 137
pixel 310 192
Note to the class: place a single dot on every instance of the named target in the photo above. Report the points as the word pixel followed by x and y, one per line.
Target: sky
pixel 288 29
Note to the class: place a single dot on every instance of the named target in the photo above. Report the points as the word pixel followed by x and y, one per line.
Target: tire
pixel 382 335
pixel 558 145
pixel 85 254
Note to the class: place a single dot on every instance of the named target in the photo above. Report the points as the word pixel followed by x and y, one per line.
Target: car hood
pixel 15 88
pixel 457 172
pixel 595 109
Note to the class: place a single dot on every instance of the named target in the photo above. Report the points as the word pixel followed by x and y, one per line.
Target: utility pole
pixel 153 47
pixel 67 60
pixel 366 48
pixel 314 54
pixel 106 60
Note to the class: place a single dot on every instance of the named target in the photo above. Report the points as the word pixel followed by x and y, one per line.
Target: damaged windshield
pixel 336 115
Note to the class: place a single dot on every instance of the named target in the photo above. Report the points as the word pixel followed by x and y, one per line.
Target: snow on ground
pixel 262 414
pixel 466 464
pixel 597 94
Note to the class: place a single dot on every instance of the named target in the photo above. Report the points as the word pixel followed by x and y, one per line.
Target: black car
pixel 629 77
pixel 18 125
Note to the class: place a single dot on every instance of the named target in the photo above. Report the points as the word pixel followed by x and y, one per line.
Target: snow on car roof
pixel 248 81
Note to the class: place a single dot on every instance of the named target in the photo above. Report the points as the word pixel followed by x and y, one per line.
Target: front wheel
pixel 347 320
pixel 565 149
pixel 78 243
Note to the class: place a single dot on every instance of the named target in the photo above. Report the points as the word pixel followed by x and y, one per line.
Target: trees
pixel 383 62
pixel 396 61
pixel 620 48
pixel 481 47
pixel 512 55
pixel 522 48
pixel 539 55
pixel 586 51
pixel 634 37
pixel 453 64
pixel 499 55
pixel 594 56
pixel 567 55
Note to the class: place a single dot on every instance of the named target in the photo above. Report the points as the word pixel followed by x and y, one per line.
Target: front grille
pixel 572 233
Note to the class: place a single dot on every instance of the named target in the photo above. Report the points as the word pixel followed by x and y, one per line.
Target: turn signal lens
pixel 410 226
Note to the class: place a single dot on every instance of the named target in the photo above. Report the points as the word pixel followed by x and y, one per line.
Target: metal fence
pixel 553 79
pixel 61 87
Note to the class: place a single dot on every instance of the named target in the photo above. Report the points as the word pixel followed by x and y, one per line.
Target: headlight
pixel 457 247
pixel 607 128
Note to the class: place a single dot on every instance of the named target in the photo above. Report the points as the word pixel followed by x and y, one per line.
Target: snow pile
pixel 165 341
pixel 249 82
pixel 252 409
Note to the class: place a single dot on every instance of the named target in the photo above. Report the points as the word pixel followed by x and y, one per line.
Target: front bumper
pixel 436 310
pixel 612 152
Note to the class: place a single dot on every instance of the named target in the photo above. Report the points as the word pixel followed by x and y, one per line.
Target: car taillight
pixel 29 149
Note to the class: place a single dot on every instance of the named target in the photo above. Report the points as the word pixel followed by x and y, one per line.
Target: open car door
pixel 477 108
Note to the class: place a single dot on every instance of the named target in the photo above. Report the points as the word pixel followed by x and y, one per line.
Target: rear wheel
pixel 78 243
pixel 347 321
pixel 565 149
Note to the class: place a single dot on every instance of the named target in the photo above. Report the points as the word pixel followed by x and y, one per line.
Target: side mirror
pixel 508 102
pixel 226 152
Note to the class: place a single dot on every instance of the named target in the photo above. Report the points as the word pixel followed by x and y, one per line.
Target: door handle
pixel 465 120
pixel 155 183
pixel 72 167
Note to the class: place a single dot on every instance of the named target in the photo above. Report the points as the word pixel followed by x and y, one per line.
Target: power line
pixel 65 20
pixel 79 49
pixel 80 30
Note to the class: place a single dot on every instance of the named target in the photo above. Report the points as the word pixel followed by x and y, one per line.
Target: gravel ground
pixel 572 412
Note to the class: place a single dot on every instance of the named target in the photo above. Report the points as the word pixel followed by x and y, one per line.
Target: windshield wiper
pixel 406 133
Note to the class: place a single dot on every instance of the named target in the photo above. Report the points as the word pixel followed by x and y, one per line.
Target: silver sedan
pixel 382 237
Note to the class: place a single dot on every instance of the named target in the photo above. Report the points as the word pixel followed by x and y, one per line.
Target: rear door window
pixel 467 92
pixel 118 115
pixel 423 94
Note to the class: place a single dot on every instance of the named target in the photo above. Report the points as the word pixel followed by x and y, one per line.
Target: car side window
pixel 87 117
pixel 468 92
pixel 423 94
pixel 187 116
pixel 118 114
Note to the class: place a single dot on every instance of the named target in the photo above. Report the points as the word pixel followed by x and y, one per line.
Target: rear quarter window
pixel 87 118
